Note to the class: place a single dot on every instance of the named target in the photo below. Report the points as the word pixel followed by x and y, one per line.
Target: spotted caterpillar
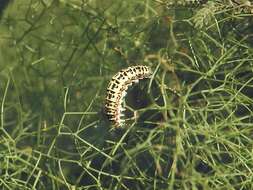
pixel 174 3
pixel 117 88
pixel 248 4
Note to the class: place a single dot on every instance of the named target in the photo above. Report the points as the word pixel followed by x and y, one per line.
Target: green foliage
pixel 188 127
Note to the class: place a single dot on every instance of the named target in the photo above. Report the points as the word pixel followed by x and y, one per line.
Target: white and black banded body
pixel 186 3
pixel 194 3
pixel 116 91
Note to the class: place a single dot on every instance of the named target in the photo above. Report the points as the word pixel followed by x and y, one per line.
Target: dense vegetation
pixel 189 126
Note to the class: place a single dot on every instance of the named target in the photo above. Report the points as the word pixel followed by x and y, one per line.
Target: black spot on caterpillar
pixel 116 91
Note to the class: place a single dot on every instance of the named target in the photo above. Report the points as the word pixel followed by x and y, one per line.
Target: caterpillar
pixel 117 88
pixel 186 3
